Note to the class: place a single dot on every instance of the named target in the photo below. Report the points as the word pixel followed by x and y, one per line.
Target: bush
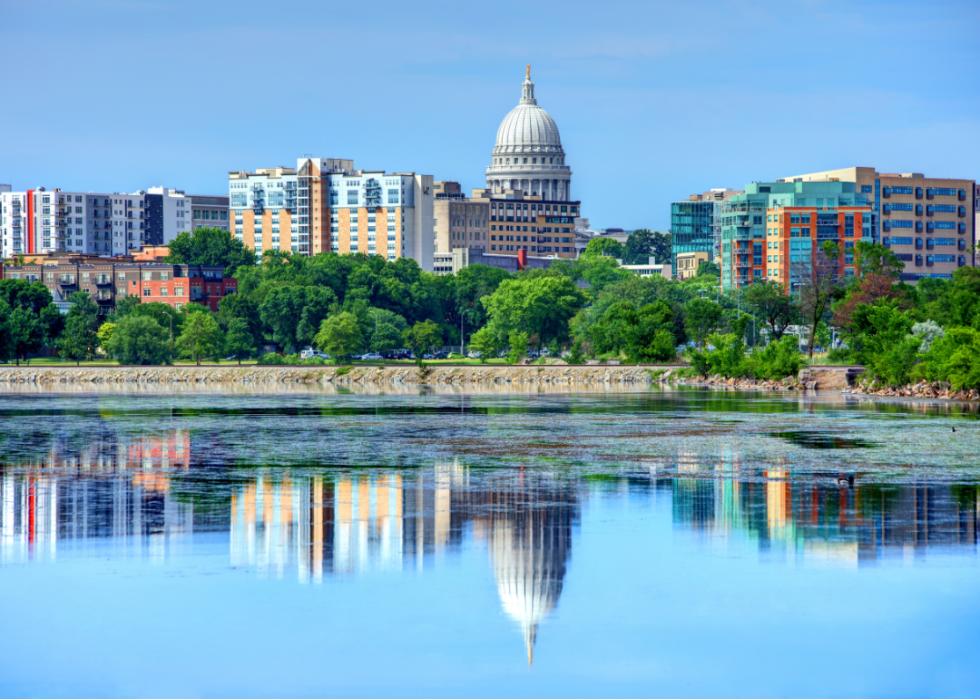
pixel 954 357
pixel 699 361
pixel 271 359
pixel 777 360
pixel 840 355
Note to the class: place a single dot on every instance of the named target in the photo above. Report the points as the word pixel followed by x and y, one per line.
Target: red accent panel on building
pixel 30 221
pixel 521 259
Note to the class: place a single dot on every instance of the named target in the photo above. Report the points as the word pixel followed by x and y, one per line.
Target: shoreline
pixel 516 378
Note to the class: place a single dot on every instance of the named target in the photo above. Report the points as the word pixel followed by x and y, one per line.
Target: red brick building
pixel 107 280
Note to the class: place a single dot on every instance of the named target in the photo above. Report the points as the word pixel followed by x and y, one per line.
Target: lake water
pixel 669 543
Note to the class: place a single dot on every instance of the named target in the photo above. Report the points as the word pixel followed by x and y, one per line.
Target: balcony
pixel 103 280
pixel 66 280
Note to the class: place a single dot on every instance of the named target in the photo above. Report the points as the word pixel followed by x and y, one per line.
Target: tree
pixel 385 338
pixel 294 312
pixel 20 293
pixel 241 306
pixel 124 306
pixel 540 306
pixel 472 284
pixel 104 335
pixel 80 336
pixel 817 278
pixel 239 339
pixel 702 319
pixel 210 246
pixel 877 269
pixel 708 269
pixel 773 305
pixel 140 340
pixel 518 347
pixel 642 244
pixel 25 332
pixel 339 335
pixel 200 336
pixel 485 342
pixel 421 337
pixel 661 246
pixel 603 247
pixel 31 325
pixel 637 250
pixel 6 336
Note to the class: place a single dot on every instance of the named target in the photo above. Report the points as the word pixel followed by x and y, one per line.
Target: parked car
pixel 310 353
pixel 371 357
pixel 475 355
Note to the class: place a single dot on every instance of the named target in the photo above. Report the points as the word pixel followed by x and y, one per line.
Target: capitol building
pixel 525 211
pixel 528 156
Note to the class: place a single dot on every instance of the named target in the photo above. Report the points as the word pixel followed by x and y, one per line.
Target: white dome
pixel 527 125
pixel 528 155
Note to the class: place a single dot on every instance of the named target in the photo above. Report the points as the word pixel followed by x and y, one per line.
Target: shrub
pixel 271 359
pixel 777 360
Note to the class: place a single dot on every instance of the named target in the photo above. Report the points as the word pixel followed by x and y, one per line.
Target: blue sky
pixel 655 100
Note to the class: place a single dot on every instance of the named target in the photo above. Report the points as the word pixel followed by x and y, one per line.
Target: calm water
pixel 686 543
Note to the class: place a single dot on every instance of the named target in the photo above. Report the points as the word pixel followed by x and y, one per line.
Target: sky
pixel 654 100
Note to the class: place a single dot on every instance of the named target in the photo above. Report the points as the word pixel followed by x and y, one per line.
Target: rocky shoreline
pixel 498 378
pixel 336 376
pixel 941 390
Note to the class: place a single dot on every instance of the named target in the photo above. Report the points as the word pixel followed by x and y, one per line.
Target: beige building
pixel 460 221
pixel 325 205
pixel 539 227
pixel 927 222
pixel 689 262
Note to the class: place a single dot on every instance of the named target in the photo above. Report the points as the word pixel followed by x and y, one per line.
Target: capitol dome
pixel 528 155
pixel 526 128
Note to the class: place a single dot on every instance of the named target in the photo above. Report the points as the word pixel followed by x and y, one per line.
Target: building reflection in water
pixel 120 494
pixel 116 491
pixel 819 519
pixel 378 521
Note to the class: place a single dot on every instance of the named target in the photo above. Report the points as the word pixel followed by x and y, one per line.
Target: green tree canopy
pixel 642 244
pixel 210 246
pixel 80 337
pixel 539 306
pixel 200 336
pixel 485 342
pixel 422 337
pixel 239 340
pixel 386 338
pixel 139 340
pixel 702 319
pixel 603 247
pixel 774 307
pixel 339 335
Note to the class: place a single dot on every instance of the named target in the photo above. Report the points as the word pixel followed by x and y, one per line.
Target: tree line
pixel 589 308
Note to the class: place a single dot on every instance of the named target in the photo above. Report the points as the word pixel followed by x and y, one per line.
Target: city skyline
pixel 635 101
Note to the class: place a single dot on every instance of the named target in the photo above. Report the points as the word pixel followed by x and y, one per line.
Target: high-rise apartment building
pixel 929 223
pixel 771 231
pixel 40 221
pixel 460 221
pixel 325 205
pixel 695 224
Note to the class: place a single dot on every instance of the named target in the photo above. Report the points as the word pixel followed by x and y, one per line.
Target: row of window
pixel 930 192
